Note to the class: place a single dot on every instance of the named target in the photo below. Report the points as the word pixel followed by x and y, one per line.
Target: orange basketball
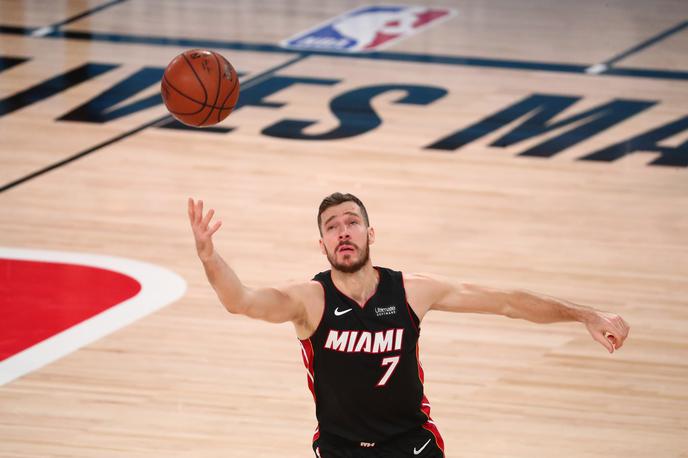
pixel 200 87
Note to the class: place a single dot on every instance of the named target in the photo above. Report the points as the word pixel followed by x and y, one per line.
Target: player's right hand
pixel 202 231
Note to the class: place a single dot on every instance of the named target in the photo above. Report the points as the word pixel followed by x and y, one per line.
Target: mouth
pixel 346 248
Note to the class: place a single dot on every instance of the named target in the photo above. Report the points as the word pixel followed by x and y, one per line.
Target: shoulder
pixel 310 297
pixel 306 292
pixel 424 282
pixel 423 290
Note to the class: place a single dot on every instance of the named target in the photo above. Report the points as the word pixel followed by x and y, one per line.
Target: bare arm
pixel 276 305
pixel 434 293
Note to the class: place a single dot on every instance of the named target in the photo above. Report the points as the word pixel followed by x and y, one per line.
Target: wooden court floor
pixel 517 144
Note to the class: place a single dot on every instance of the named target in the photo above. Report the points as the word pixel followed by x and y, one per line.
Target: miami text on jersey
pixel 365 341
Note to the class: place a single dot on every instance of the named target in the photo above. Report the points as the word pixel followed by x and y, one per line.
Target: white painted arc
pixel 159 287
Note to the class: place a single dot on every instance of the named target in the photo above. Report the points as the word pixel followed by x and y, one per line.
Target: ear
pixel 371 235
pixel 322 246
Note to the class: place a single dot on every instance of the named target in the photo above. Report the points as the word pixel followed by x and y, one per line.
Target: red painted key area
pixel 41 299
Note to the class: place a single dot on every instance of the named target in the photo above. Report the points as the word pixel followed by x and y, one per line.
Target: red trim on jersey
pixel 307 355
pixel 408 306
pixel 316 435
pixel 429 425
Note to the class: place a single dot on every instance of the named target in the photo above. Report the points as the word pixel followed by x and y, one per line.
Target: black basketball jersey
pixel 363 367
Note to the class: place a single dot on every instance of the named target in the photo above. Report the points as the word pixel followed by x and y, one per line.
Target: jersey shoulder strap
pixel 394 286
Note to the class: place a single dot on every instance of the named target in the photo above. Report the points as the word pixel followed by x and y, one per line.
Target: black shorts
pixel 418 443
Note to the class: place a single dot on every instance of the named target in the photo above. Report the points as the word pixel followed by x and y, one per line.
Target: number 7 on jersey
pixel 392 362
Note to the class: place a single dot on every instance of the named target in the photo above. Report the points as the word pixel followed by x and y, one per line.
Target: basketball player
pixel 359 325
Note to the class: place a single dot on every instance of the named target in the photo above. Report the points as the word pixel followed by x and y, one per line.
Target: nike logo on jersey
pixel 418 452
pixel 338 312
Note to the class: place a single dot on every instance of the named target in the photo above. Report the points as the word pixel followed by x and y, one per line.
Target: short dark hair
pixel 337 198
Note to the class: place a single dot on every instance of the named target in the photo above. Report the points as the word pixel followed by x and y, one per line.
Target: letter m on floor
pixel 538 111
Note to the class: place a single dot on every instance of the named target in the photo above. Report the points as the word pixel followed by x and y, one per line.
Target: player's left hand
pixel 609 329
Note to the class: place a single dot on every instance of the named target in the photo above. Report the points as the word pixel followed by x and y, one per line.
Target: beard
pixel 355 266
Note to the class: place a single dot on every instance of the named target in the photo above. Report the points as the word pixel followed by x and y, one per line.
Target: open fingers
pixel 199 212
pixel 198 220
pixel 214 228
pixel 190 209
pixel 207 218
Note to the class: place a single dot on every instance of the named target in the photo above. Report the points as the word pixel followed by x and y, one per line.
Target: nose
pixel 344 233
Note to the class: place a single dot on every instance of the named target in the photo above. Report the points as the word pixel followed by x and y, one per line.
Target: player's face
pixel 345 237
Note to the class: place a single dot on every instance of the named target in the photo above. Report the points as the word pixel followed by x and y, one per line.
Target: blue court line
pixel 41 31
pixel 386 56
pixel 157 121
pixel 74 157
pixel 646 73
pixel 649 42
pixel 14 30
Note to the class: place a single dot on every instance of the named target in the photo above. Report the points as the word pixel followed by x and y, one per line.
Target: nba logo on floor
pixel 368 28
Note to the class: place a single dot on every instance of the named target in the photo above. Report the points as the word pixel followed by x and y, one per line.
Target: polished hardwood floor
pixel 484 152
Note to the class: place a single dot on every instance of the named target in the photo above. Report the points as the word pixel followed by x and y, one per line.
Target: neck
pixel 360 285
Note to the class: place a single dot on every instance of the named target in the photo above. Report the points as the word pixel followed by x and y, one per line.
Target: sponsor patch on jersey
pixel 383 311
pixel 368 28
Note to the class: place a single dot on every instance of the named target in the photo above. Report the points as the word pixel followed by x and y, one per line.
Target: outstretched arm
pixel 434 293
pixel 277 305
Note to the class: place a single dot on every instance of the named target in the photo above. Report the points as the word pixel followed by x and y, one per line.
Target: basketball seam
pixel 217 93
pixel 203 105
pixel 229 107
pixel 222 107
pixel 205 91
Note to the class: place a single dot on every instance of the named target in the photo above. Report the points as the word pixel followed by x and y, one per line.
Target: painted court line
pixel 467 61
pixel 607 64
pixel 159 287
pixel 158 121
pixel 43 31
